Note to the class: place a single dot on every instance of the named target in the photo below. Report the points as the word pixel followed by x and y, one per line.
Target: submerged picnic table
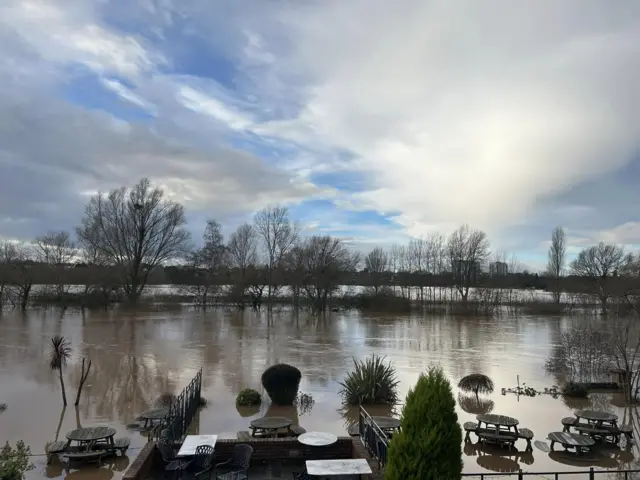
pixel 153 415
pixel 270 426
pixel 599 425
pixel 571 440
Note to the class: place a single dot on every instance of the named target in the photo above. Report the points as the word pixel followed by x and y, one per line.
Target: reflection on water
pixel 474 404
pixel 139 356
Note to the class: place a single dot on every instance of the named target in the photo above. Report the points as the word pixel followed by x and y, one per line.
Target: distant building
pixel 498 269
pixel 466 271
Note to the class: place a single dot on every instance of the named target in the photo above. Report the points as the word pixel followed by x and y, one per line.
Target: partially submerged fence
pixel 181 411
pixel 372 437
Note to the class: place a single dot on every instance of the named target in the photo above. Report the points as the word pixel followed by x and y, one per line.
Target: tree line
pixel 130 238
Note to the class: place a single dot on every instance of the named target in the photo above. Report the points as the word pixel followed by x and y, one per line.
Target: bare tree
pixel 84 373
pixel 325 260
pixel 377 265
pixel 134 230
pixel 599 264
pixel 242 251
pixel 8 255
pixel 556 261
pixel 20 273
pixel 278 235
pixel 625 343
pixel 56 250
pixel 207 262
pixel 467 250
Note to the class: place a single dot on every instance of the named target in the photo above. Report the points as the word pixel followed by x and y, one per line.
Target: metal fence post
pixel 520 476
pixel 592 474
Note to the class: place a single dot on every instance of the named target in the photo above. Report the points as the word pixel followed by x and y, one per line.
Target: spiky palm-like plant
pixel 476 383
pixel 372 381
pixel 60 353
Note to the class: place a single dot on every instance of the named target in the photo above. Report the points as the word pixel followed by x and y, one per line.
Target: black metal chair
pixel 237 467
pixel 172 464
pixel 202 462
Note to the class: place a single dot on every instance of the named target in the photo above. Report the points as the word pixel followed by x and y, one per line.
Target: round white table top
pixel 317 439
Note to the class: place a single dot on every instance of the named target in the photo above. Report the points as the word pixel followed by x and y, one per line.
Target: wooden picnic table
pixel 387 423
pixel 269 425
pixel 571 440
pixel 153 415
pixel 88 438
pixel 91 435
pixel 597 417
pixel 498 429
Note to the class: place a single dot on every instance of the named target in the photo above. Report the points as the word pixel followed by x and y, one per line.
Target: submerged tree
pixel 599 264
pixel 468 250
pixel 134 230
pixel 60 353
pixel 476 383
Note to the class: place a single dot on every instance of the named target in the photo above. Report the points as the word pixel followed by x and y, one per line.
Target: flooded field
pixel 138 357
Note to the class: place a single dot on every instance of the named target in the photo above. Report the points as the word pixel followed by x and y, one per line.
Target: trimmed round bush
pixel 248 398
pixel 429 446
pixel 281 382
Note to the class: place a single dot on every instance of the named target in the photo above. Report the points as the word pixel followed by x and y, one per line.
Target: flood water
pixel 137 357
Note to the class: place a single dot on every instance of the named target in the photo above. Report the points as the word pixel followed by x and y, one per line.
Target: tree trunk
pixel 64 393
pixel 83 378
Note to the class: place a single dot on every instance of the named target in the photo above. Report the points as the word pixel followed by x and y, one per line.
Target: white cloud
pixel 460 113
pixel 66 32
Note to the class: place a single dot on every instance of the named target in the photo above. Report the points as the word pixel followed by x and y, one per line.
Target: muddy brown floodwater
pixel 137 357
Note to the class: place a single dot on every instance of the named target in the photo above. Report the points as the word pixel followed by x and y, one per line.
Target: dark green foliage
pixel 476 383
pixel 574 389
pixel 281 382
pixel 15 462
pixel 248 398
pixel 429 446
pixel 372 381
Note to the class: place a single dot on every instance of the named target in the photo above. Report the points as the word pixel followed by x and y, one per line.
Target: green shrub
pixel 429 445
pixel 14 462
pixel 372 381
pixel 574 389
pixel 248 398
pixel 281 382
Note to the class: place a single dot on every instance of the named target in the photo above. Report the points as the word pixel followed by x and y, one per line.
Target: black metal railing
pixel 181 412
pixel 591 474
pixel 372 437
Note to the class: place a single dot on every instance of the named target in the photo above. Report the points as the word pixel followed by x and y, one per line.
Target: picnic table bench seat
pixel 86 456
pixel 122 444
pixel 598 431
pixel 499 438
pixel 527 435
pixel 54 448
pixel 468 428
pixel 568 422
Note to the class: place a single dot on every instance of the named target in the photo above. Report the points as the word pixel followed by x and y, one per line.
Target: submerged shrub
pixel 248 398
pixel 574 389
pixel 429 445
pixel 304 402
pixel 476 383
pixel 15 462
pixel 281 382
pixel 372 381
pixel 165 400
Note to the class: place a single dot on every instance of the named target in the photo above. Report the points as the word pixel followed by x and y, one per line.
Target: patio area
pixel 268 470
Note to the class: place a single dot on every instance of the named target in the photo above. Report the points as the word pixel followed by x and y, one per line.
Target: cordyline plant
pixel 372 381
pixel 14 462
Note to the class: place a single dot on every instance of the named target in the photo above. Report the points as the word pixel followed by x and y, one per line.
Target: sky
pixel 375 121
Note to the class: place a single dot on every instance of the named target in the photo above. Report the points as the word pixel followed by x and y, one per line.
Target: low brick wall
pixel 263 449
